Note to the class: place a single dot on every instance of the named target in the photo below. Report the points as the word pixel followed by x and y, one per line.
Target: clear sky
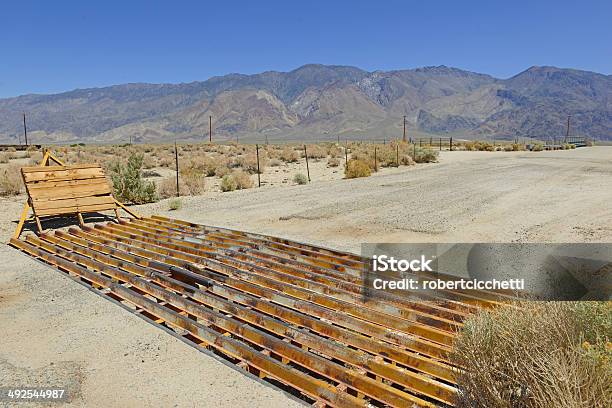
pixel 54 46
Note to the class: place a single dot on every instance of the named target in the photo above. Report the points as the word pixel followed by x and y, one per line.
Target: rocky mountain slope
pixel 318 102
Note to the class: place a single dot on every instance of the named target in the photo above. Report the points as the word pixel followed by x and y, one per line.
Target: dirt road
pixel 556 196
pixel 55 331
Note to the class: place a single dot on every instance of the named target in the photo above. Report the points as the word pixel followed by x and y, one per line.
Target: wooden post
pixel 404 135
pixel 440 144
pixel 397 155
pixel 25 130
pixel 307 169
pixel 414 152
pixel 177 169
pixel 450 144
pixel 258 172
pixel 210 129
pixel 346 154
pixel 375 162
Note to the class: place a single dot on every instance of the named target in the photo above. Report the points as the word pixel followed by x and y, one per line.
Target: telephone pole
pixel 25 129
pixel 568 127
pixel 404 137
pixel 210 129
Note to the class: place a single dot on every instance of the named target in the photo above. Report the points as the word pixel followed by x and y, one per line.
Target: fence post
pixel 430 141
pixel 346 154
pixel 397 155
pixel 375 162
pixel 414 152
pixel 451 145
pixel 177 169
pixel 440 144
pixel 258 172
pixel 307 169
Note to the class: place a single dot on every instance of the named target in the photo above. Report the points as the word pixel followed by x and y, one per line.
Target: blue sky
pixel 54 46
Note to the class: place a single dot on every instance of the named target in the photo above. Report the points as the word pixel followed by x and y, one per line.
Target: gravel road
pixel 54 331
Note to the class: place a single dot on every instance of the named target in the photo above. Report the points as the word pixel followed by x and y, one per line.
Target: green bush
pixel 536 355
pixel 300 179
pixel 538 147
pixel 128 184
pixel 228 183
pixel 175 204
pixel 424 155
pixel 357 168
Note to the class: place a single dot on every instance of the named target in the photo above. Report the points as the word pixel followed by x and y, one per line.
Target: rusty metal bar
pixel 423 313
pixel 174 266
pixel 414 382
pixel 317 389
pixel 240 280
pixel 259 276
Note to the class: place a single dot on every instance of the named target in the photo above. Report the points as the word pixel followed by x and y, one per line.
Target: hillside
pixel 318 102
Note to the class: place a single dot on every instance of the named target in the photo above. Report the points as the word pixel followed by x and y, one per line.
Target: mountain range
pixel 322 102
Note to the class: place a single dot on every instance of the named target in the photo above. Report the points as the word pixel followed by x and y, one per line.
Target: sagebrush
pixel 128 184
pixel 537 355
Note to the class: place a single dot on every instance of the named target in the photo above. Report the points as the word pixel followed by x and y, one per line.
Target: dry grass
pixel 357 168
pixel 10 180
pixel 537 355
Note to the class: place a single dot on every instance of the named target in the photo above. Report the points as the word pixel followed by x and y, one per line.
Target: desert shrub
pixel 243 180
pixel 480 146
pixel 194 181
pixel 300 178
pixel 572 146
pixel 407 160
pixel 248 162
pixel 508 148
pixel 357 168
pixel 275 163
pixel 316 152
pixel 175 204
pixel 11 182
pixel 228 183
pixel 149 162
pixel 193 175
pixel 536 355
pixel 4 157
pixel 364 156
pixel 424 155
pixel 222 170
pixel 334 151
pixel 517 147
pixel 209 165
pixel 538 147
pixel 333 162
pixel 165 162
pixel 35 159
pixel 128 184
pixel 289 155
pixel 167 187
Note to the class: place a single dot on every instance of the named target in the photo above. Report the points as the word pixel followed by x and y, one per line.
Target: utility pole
pixel 404 137
pixel 25 129
pixel 568 127
pixel 210 129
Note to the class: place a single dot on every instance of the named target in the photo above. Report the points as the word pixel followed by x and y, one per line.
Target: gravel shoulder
pixel 55 331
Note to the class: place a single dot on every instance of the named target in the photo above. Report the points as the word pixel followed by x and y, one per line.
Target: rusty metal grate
pixel 288 312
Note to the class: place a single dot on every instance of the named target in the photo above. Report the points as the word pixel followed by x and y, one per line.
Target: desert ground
pixel 56 332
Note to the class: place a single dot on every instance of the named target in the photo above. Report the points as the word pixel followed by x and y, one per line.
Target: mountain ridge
pixel 316 101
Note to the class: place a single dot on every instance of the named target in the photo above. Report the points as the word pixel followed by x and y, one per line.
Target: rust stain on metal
pixel 284 310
